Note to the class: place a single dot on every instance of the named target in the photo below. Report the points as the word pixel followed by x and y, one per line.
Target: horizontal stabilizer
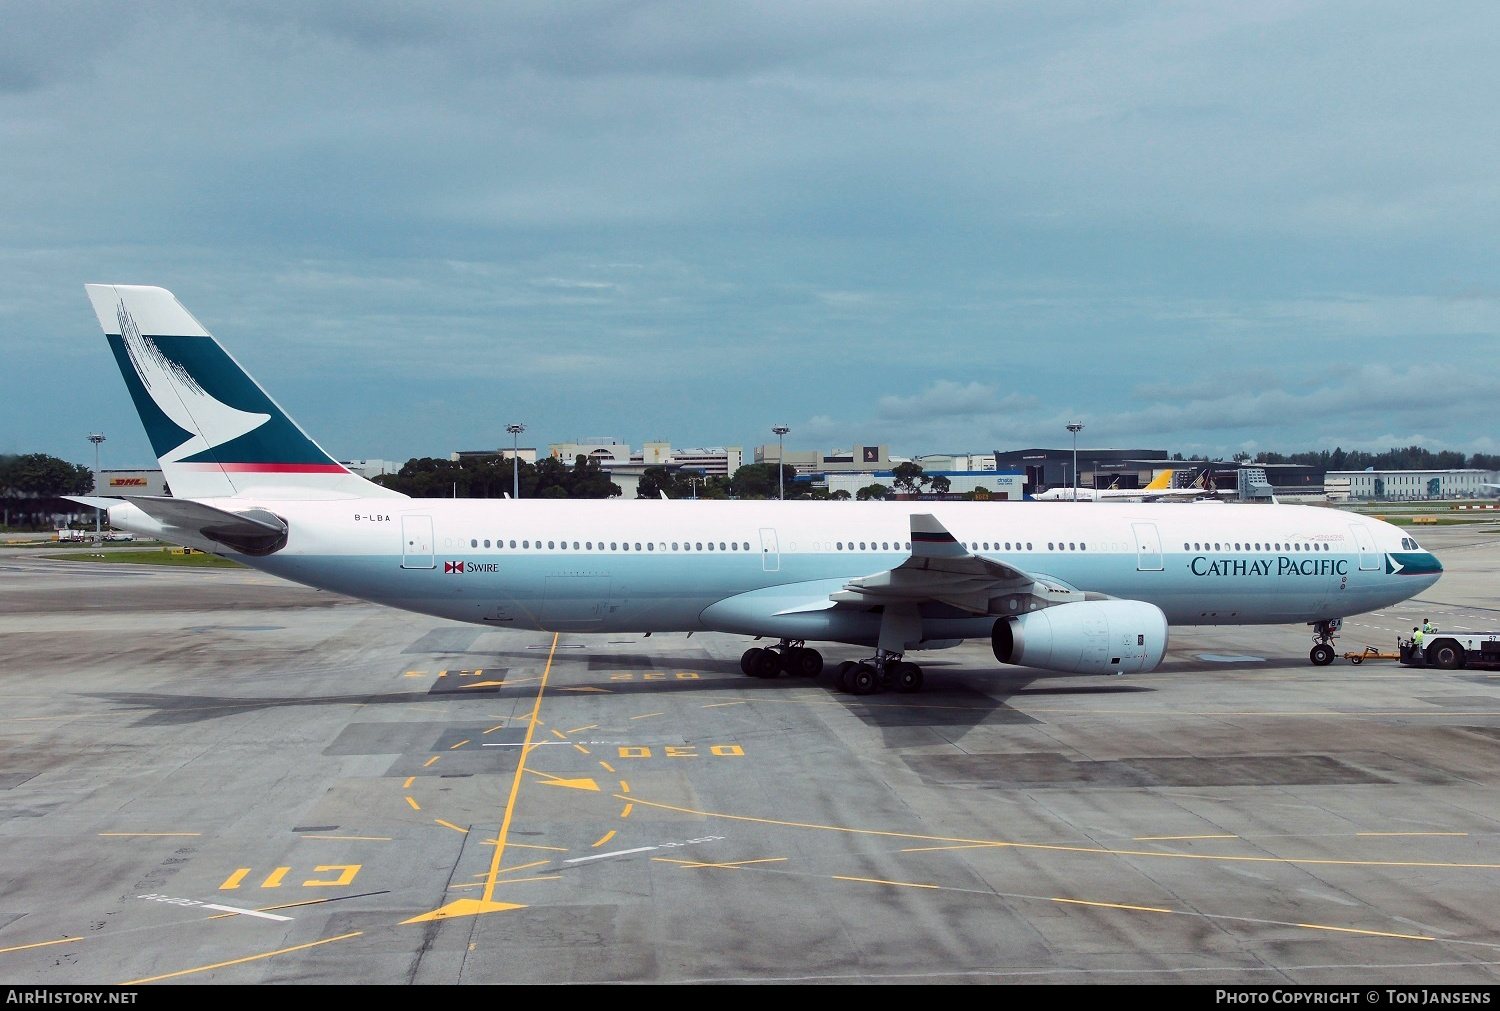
pixel 250 532
pixel 93 501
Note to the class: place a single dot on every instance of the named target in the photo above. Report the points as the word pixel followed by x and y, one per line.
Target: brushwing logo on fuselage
pixel 180 397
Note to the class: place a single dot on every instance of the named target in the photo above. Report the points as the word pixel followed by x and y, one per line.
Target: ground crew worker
pixel 1416 638
pixel 1427 627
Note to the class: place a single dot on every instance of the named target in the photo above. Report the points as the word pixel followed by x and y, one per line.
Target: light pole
pixel 1075 428
pixel 781 431
pixel 515 458
pixel 96 438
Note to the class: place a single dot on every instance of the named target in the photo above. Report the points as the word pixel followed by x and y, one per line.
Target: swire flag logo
pixel 457 568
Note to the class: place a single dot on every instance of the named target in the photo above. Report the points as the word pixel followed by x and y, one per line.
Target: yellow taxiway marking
pixel 241 961
pixel 1114 905
pixel 605 838
pixel 414 805
pixel 460 744
pixel 1419 834
pixel 409 781
pixel 434 758
pixel 1053 847
pixel 1369 933
pixel 535 846
pixel 1125 906
pixel 625 811
pixel 475 906
pixel 878 881
pixel 41 944
pixel 1174 838
pixel 607 767
pixel 517 867
pixel 147 835
pixel 732 865
pixel 579 730
pixel 647 716
pixel 602 691
pixel 486 903
pixel 576 784
pixel 449 824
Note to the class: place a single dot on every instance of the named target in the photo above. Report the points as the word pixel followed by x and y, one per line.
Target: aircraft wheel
pixel 907 678
pixel 863 680
pixel 747 658
pixel 841 675
pixel 765 664
pixel 808 663
pixel 1321 655
pixel 1445 654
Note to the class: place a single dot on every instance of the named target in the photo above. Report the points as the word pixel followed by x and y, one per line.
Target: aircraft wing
pixel 942 570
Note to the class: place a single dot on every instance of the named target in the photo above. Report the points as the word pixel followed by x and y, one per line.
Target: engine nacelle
pixel 1087 637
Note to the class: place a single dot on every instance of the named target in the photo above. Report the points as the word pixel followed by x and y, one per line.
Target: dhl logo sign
pixel 127 482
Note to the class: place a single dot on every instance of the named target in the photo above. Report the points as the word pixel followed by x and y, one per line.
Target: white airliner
pixel 1079 591
pixel 1159 488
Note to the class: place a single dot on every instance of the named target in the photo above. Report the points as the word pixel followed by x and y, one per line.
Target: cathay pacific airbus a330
pixel 1067 587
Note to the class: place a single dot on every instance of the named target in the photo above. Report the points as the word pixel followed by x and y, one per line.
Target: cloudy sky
pixel 946 226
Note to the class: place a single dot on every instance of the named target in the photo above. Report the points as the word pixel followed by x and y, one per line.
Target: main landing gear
pixel 1323 635
pixel 882 672
pixel 790 656
pixel 885 671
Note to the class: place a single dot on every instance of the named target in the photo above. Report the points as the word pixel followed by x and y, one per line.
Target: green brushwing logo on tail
pixel 199 407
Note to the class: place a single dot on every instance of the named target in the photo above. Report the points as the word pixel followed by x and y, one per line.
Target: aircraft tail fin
pixel 1161 482
pixel 215 431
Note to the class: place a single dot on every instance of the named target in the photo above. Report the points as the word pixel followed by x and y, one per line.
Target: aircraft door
pixel 416 543
pixel 1147 547
pixel 770 554
pixel 1369 558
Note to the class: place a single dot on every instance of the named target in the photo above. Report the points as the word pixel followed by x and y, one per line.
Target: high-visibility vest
pixel 1416 638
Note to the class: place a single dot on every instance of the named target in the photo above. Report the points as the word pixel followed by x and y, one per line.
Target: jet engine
pixel 1087 637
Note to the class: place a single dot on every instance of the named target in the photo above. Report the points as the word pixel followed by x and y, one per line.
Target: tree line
pixel 1395 458
pixel 32 486
pixel 493 477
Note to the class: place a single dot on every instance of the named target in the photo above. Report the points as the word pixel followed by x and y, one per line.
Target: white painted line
pixel 247 912
pixel 606 856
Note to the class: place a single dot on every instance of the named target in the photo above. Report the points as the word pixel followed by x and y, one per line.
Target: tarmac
pixel 210 776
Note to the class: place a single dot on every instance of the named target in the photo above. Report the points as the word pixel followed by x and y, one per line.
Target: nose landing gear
pixel 1323 635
